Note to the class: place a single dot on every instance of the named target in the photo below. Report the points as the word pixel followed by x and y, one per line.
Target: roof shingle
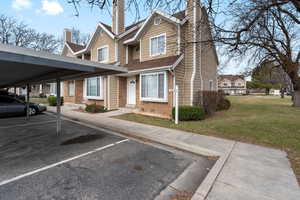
pixel 75 47
pixel 162 62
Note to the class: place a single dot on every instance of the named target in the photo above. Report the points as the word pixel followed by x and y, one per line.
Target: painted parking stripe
pixel 29 124
pixel 60 163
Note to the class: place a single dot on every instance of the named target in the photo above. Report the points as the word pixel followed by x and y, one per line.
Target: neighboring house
pixel 159 52
pixel 232 84
pixel 40 90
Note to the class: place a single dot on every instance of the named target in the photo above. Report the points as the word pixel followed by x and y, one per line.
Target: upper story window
pixel 93 88
pixel 226 84
pixel 103 54
pixel 153 86
pixel 158 45
pixel 157 20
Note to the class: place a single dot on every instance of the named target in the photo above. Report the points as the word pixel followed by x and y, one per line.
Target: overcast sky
pixel 52 16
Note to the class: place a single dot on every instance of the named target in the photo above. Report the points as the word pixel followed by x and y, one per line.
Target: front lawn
pixel 264 120
pixel 39 100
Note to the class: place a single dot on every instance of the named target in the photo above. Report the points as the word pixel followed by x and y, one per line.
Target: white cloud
pixel 50 7
pixel 20 4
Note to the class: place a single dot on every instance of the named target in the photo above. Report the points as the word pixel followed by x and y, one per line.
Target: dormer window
pixel 157 20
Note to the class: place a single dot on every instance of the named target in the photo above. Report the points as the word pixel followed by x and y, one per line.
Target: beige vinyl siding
pixel 208 59
pixel 113 90
pixel 153 30
pixel 102 40
pixel 187 49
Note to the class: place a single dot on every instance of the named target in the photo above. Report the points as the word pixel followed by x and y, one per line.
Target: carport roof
pixel 20 66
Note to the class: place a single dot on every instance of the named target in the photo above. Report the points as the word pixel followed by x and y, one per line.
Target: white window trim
pixel 102 47
pixel 150 45
pixel 157 18
pixel 163 100
pixel 126 54
pixel 101 97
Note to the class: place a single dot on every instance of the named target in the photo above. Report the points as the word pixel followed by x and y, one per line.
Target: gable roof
pixel 133 30
pixel 75 47
pixel 175 18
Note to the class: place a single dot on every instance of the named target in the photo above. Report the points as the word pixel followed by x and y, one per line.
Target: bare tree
pixel 78 37
pixel 264 30
pixel 19 34
pixel 45 42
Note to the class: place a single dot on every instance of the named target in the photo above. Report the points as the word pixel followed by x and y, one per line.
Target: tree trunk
pixel 267 91
pixel 282 93
pixel 296 98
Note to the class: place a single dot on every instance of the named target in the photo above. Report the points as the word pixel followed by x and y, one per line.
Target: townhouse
pixel 232 84
pixel 160 52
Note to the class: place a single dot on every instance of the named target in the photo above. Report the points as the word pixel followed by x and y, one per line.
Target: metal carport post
pixel 58 108
pixel 21 66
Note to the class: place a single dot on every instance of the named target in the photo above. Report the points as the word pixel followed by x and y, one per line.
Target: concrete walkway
pixel 243 171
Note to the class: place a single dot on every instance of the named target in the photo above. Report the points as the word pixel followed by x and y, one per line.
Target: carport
pixel 23 67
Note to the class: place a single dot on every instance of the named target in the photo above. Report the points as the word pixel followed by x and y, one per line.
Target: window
pixel 157 20
pixel 158 45
pixel 93 88
pixel 71 88
pixel 103 54
pixel 153 86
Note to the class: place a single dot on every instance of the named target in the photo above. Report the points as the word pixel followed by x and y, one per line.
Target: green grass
pixel 263 120
pixel 39 100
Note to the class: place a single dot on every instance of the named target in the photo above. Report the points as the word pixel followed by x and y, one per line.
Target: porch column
pixel 58 108
pixel 27 101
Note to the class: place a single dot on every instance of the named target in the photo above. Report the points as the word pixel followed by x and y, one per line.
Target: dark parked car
pixel 10 106
pixel 6 93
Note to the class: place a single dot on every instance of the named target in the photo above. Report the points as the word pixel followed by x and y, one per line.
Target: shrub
pixel 52 101
pixel 213 101
pixel 188 113
pixel 224 104
pixel 93 108
pixel 209 101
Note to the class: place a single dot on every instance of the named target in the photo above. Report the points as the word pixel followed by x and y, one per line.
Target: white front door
pixel 131 90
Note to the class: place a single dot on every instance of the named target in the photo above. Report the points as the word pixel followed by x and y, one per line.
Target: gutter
pixel 194 53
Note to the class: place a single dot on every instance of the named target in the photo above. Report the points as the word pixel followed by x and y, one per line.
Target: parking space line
pixel 35 123
pixel 60 163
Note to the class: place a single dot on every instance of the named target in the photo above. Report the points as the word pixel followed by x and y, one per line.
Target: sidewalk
pixel 242 172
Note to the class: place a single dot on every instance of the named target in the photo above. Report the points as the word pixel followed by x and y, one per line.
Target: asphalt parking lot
pixel 83 162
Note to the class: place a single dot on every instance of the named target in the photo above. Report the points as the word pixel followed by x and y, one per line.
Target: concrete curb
pixel 205 187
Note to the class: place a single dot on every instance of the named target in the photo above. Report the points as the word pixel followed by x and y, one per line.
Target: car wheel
pixel 32 111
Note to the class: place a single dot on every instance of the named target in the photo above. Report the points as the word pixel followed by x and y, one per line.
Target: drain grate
pixel 82 139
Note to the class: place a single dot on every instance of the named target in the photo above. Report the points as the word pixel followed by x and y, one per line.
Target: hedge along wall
pixel 210 100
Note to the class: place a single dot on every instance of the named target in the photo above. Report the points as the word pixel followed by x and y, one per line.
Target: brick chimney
pixel 118 16
pixel 67 35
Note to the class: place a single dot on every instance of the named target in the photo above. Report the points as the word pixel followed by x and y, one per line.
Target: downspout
pixel 174 84
pixel 194 51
